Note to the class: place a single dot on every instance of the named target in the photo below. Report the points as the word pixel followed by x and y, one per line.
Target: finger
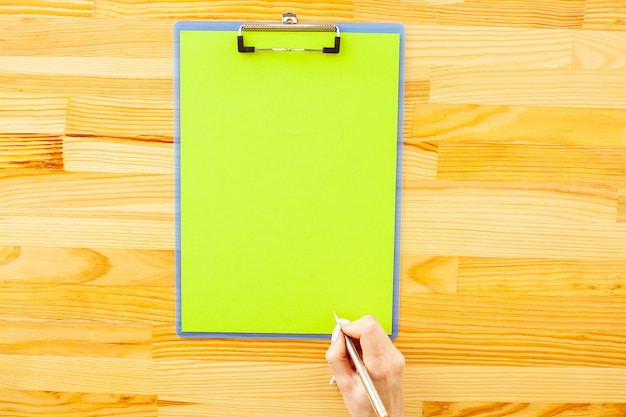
pixel 370 334
pixel 337 358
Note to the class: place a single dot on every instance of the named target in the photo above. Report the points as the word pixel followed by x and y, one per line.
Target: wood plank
pixel 243 385
pixel 66 37
pixel 532 163
pixel 470 123
pixel 419 162
pixel 76 374
pixel 86 75
pixel 207 408
pixel 479 347
pixel 594 49
pixel 88 66
pixel 168 346
pixel 412 407
pixel 530 348
pixel 428 274
pixel 31 114
pixel 542 276
pixel 621 205
pixel 308 10
pixel 521 48
pixel 121 231
pixel 29 403
pixel 138 117
pixel 605 15
pixel 511 313
pixel 416 91
pixel 511 13
pixel 461 235
pixel 516 202
pixel 119 211
pixel 515 384
pixel 118 155
pixel 41 265
pixel 96 194
pixel 250 388
pixel 31 151
pixel 528 221
pixel 483 409
pixel 68 85
pixel 507 86
pixel 27 301
pixel 71 338
pixel 48 8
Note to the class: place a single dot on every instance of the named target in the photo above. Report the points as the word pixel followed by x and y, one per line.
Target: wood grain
pixel 68 85
pixel 542 276
pixel 440 409
pixel 87 193
pixel 478 347
pixel 533 163
pixel 226 9
pixel 516 13
pixel 429 274
pixel 135 206
pixel 30 403
pixel 605 15
pixel 524 347
pixel 122 231
pixel 48 8
pixel 420 162
pixel 241 387
pixel 30 113
pixel 471 123
pixel 107 303
pixel 462 236
pixel 73 338
pixel 559 88
pixel 621 205
pixel 516 384
pixel 50 265
pixel 519 48
pixel 66 37
pixel 512 312
pixel 143 117
pixel 118 155
pixel 441 218
pixel 599 50
pixel 31 151
pixel 76 374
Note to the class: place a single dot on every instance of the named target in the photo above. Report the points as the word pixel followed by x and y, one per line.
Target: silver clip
pixel 289 23
pixel 290 18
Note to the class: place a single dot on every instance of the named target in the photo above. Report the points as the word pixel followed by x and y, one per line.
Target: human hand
pixel 382 359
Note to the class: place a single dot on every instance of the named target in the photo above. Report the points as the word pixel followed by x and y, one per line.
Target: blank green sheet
pixel 287 181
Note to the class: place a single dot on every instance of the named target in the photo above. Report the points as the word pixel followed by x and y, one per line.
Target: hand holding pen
pixel 384 364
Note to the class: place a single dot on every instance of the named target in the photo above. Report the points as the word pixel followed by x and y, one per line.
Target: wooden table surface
pixel 513 298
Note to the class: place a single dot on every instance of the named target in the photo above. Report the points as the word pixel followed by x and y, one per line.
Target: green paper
pixel 287 182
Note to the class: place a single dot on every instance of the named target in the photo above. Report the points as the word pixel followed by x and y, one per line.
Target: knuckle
pixel 370 324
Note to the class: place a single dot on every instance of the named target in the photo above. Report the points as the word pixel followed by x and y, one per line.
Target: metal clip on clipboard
pixel 289 24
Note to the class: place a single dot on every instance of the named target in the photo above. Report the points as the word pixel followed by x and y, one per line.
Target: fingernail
pixel 336 333
pixel 332 380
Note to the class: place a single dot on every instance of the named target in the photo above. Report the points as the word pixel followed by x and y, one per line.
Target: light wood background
pixel 513 299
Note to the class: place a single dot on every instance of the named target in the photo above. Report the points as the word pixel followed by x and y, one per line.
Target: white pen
pixel 361 370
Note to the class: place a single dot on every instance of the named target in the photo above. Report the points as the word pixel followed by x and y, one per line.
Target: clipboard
pixel 288 147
